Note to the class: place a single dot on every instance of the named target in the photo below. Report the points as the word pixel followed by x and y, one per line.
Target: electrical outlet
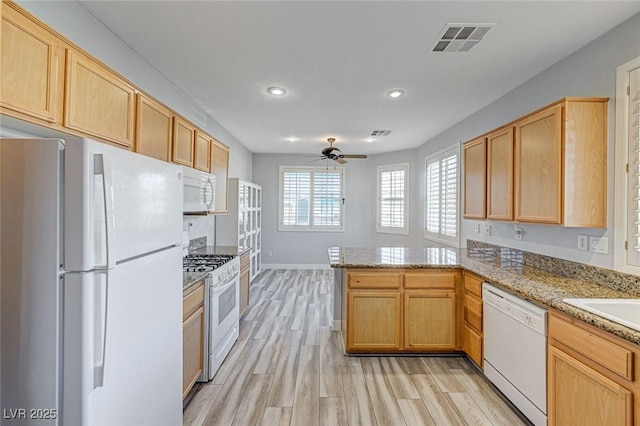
pixel 599 245
pixel 487 230
pixel 583 242
pixel 477 228
pixel 518 232
pixel 269 253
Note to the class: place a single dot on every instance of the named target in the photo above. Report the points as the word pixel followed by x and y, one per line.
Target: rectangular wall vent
pixel 380 132
pixel 460 37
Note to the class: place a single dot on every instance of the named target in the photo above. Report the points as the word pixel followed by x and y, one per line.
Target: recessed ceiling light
pixel 277 91
pixel 369 140
pixel 395 93
pixel 292 139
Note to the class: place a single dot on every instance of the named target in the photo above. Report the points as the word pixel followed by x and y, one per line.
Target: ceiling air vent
pixel 460 37
pixel 380 132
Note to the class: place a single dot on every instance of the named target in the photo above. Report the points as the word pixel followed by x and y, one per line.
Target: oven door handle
pixel 221 289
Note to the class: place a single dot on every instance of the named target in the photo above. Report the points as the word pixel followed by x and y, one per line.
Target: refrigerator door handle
pixel 102 167
pixel 100 328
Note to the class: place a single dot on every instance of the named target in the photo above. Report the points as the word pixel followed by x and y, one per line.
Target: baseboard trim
pixel 295 266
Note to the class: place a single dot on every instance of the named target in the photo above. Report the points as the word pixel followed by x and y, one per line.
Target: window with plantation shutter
pixel 633 185
pixel 393 199
pixel 311 199
pixel 441 197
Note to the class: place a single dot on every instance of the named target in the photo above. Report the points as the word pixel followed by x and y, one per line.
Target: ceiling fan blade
pixel 354 156
pixel 308 155
pixel 313 161
pixel 340 161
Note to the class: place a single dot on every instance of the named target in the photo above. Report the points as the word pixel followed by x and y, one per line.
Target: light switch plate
pixel 477 228
pixel 599 245
pixel 583 242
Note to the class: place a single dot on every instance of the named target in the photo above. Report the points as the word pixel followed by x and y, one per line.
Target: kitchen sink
pixel 622 311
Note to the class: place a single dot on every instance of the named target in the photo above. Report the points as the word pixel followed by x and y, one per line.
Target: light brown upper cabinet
pixel 184 134
pixel 475 172
pixel 560 164
pixel 500 174
pixel 98 102
pixel 202 156
pixel 154 125
pixel 31 82
pixel 220 169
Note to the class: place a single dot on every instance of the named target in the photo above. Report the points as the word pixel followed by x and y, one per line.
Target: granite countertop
pixel 191 278
pixel 540 286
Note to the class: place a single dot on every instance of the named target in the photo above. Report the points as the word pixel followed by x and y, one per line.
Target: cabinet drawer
pixel 472 343
pixel 429 280
pixel 374 280
pixel 473 284
pixel 193 300
pixel 473 312
pixel 607 354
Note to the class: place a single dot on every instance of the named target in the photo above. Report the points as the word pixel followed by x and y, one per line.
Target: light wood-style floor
pixel 288 368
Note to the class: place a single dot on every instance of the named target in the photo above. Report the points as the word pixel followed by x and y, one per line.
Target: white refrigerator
pixel 91 276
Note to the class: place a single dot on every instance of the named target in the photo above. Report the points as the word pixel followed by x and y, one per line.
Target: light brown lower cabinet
pixel 403 311
pixel 592 375
pixel 192 336
pixel 473 335
pixel 245 279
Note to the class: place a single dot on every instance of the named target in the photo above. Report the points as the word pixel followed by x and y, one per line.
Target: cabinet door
pixel 30 79
pixel 475 171
pixel 244 291
pixel 538 167
pixel 500 175
pixel 579 395
pixel 97 102
pixel 374 321
pixel 192 349
pixel 220 168
pixel 183 142
pixel 430 319
pixel 154 126
pixel 202 155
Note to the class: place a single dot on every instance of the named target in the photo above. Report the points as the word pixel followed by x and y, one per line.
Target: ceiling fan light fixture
pixel 276 91
pixel 395 93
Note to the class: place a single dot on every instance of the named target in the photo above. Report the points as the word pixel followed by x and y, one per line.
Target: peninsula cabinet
pixel 475 175
pixel 154 128
pixel 593 376
pixel 500 174
pixel 184 136
pixel 402 311
pixel 98 102
pixel 32 80
pixel 219 164
pixel 560 164
pixel 192 336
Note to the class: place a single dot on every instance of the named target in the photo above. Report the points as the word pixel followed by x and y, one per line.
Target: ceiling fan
pixel 334 153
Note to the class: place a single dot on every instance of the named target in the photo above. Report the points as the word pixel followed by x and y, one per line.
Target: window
pixel 627 187
pixel 441 197
pixel 311 199
pixel 393 199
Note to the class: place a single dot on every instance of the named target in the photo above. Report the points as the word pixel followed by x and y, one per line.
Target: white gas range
pixel 221 307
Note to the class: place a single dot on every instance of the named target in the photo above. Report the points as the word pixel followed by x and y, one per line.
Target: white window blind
pixel 633 214
pixel 441 197
pixel 311 198
pixel 393 199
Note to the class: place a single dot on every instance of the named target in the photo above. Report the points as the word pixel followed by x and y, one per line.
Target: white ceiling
pixel 337 59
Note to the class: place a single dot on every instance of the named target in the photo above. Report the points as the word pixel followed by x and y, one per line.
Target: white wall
pixel 73 21
pixel 591 72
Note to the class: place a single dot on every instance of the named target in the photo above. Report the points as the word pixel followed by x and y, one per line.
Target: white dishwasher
pixel 515 350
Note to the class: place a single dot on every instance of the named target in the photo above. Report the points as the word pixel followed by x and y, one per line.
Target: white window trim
pixel 621 161
pixel 454 242
pixel 310 228
pixel 389 229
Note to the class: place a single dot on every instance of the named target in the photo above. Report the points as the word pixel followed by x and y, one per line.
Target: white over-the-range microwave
pixel 199 191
